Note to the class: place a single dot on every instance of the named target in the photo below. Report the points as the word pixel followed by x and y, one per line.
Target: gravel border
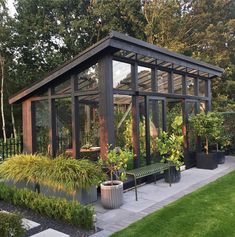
pixel 46 222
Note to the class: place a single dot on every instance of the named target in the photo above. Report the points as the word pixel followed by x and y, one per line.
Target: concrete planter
pixel 84 196
pixel 112 195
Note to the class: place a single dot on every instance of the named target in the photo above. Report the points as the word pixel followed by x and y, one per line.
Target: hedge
pixel 57 208
pixel 11 225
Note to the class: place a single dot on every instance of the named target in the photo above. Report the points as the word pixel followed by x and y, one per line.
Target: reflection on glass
pixel 144 78
pixel 190 85
pixel 162 81
pixel 88 79
pixel 202 106
pixel 191 137
pixel 42 126
pixel 202 87
pixel 89 126
pixel 63 126
pixel 121 75
pixel 177 83
pixel 155 126
pixel 63 88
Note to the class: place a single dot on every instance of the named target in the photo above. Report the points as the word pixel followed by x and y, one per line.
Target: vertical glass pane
pixel 202 87
pixel 88 79
pixel 144 78
pixel 177 83
pixel 42 126
pixel 191 137
pixel 202 106
pixel 162 81
pixel 190 85
pixel 122 75
pixel 63 126
pixel 89 127
pixel 123 121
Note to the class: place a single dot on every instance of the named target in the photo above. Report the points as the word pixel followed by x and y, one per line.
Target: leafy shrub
pixel 65 174
pixel 11 225
pixel 57 208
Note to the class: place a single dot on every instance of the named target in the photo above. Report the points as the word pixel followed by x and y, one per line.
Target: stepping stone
pixel 50 233
pixel 28 224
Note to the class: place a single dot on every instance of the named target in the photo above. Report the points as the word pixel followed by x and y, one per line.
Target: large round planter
pixel 111 195
pixel 207 161
pixel 174 177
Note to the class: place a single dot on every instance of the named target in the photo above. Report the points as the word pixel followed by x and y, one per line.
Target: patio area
pixel 155 196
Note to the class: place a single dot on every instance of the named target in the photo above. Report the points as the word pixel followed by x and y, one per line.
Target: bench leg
pixel 136 197
pixel 155 178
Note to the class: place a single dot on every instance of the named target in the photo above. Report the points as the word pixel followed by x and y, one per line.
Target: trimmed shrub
pixel 57 208
pixel 11 225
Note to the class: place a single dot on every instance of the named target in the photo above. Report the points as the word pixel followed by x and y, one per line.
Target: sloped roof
pixel 113 42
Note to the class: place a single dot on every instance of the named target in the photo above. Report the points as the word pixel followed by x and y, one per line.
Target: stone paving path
pixel 155 196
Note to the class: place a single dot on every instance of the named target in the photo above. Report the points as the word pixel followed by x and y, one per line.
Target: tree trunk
pixel 2 101
pixel 13 122
pixel 207 146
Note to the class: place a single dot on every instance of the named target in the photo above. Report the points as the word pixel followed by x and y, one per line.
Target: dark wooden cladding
pixel 75 120
pixel 52 125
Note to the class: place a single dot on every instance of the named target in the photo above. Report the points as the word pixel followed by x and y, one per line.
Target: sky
pixel 11 7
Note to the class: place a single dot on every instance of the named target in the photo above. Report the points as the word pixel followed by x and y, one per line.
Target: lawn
pixel 209 212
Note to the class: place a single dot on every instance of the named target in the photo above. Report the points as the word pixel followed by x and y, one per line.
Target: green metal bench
pixel 147 170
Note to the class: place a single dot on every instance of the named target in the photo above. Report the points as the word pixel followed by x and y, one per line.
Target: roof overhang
pixel 114 42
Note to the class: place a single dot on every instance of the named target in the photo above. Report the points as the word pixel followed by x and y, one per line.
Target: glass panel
pixel 144 78
pixel 155 126
pixel 174 108
pixel 88 79
pixel 177 82
pixel 89 127
pixel 202 87
pixel 121 75
pixel 190 85
pixel 191 137
pixel 42 126
pixel 162 81
pixel 63 88
pixel 63 126
pixel 202 106
pixel 142 131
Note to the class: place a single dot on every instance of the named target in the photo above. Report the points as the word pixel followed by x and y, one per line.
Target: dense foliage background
pixel 44 33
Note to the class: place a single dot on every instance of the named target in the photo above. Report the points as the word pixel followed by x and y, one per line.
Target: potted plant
pixel 206 126
pixel 170 147
pixel 112 190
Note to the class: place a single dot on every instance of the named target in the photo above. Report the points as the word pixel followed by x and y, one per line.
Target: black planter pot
pixel 206 161
pixel 220 157
pixel 189 159
pixel 174 177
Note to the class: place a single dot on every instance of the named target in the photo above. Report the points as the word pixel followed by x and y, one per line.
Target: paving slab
pixel 50 233
pixel 152 197
pixel 28 224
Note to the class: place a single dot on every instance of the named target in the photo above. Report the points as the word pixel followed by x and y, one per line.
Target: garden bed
pixel 46 222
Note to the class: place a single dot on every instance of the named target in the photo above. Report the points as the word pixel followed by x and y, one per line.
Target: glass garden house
pixel 119 92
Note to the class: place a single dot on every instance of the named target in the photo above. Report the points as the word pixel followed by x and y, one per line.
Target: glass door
pixel 155 124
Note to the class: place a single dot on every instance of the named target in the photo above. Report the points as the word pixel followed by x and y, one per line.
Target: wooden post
pixel 106 104
pixel 75 120
pixel 52 125
pixel 135 117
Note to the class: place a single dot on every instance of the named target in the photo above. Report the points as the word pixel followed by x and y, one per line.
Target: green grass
pixel 208 212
